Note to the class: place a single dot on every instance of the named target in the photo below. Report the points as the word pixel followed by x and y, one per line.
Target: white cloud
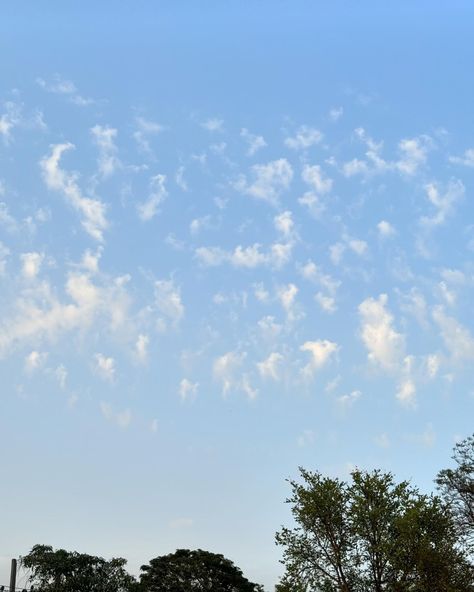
pixel 287 297
pixel 269 329
pixel 187 389
pixel 457 338
pixel 467 159
pixel 31 263
pixel 315 178
pixel 386 230
pixel 121 418
pixel 321 353
pixel 145 129
pixel 225 370
pixel 359 247
pixel 414 154
pixel 255 143
pixel 320 186
pixel 336 252
pixel 39 314
pixel 60 86
pixel 327 303
pixel 269 181
pixel 247 388
pixel 347 401
pixel 261 293
pixel 168 301
pixel 105 367
pixel 426 438
pixel 453 276
pixel 312 272
pixel 449 296
pixel 374 163
pixel 6 219
pixel 141 348
pixel 406 392
pixel 384 344
pixel 92 210
pixel 180 180
pixel 10 119
pixel 248 257
pixel 213 124
pixel 284 223
pixel 35 360
pixel 271 366
pixel 314 204
pixel 199 224
pixel 414 303
pixel 60 373
pixel 90 260
pixel 432 365
pixel 355 167
pixel 336 113
pixel 280 254
pixel 104 138
pixel 304 138
pixel 148 209
pixel 443 202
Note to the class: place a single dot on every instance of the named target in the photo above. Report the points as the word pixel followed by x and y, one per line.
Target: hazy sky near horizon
pixel 235 238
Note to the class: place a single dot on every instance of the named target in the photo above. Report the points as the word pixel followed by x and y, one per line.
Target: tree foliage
pixel 457 487
pixel 66 571
pixel 370 535
pixel 194 571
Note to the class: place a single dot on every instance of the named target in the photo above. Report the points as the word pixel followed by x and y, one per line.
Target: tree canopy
pixel 370 535
pixel 457 487
pixel 194 571
pixel 69 571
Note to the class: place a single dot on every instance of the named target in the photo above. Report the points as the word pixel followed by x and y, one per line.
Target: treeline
pixel 369 534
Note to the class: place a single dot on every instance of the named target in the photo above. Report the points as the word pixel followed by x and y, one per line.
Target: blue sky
pixel 235 238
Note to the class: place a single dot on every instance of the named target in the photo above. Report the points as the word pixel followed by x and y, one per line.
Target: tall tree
pixel 194 571
pixel 457 487
pixel 370 535
pixel 69 571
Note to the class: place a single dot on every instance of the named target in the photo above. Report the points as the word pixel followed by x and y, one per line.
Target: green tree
pixel 457 487
pixel 69 571
pixel 194 571
pixel 370 535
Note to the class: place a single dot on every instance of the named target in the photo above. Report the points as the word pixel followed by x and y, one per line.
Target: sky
pixel 236 238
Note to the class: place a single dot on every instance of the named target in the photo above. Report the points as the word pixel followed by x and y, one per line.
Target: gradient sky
pixel 235 238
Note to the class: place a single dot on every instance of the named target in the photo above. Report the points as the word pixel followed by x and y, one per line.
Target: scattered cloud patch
pixel 93 211
pixel 384 344
pixel 105 367
pixel 269 181
pixel 254 142
pixel 321 351
pixel 104 138
pixel 187 390
pixel 158 193
pixel 304 138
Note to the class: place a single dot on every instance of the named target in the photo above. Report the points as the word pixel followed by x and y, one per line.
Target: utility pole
pixel 13 576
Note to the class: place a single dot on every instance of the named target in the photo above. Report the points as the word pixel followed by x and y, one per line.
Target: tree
pixel 66 571
pixel 370 535
pixel 457 487
pixel 194 571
